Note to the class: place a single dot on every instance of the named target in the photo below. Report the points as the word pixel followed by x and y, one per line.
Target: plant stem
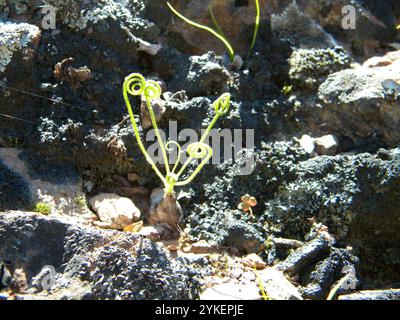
pixel 228 46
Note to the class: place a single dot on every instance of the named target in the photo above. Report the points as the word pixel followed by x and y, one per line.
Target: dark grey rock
pixel 305 255
pixel 319 282
pixel 25 178
pixel 375 22
pixel 390 294
pixel 353 102
pixel 355 197
pixel 204 76
pixel 5 276
pixel 103 264
pixel 309 35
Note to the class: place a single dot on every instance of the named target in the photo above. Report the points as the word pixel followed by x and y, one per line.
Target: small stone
pixel 19 282
pixel 326 145
pixel 172 247
pixel 167 95
pixel 232 291
pixel 254 261
pixel 202 246
pixel 179 96
pixel 287 243
pixel 307 143
pixel 153 233
pixel 158 106
pixel 375 62
pixel 133 177
pixel 114 212
pixel 151 49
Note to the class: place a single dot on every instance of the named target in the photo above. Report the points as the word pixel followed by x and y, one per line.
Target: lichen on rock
pixel 15 37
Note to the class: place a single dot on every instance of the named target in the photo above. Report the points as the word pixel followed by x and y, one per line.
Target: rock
pixel 21 38
pixel 19 283
pixel 26 179
pixel 158 106
pixel 351 195
pixel 390 58
pixel 158 232
pixel 201 247
pixel 234 19
pixel 326 145
pixel 310 67
pixel 232 291
pixel 5 276
pixel 311 35
pixel 173 247
pixel 375 22
pixel 353 102
pixel 133 177
pixel 139 195
pixel 304 255
pixel 215 221
pixel 81 16
pixel 242 236
pixel 92 263
pixel 151 232
pixel 114 212
pixel 253 261
pixel 206 76
pixel 18 52
pixel 122 181
pixel 307 143
pixel 319 283
pixel 287 243
pixel 390 294
pixel 277 287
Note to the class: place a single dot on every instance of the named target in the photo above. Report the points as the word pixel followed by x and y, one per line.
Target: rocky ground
pixel 323 103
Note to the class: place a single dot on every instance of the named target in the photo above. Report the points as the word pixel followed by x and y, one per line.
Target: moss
pixel 12 142
pixel 310 67
pixel 80 200
pixel 42 208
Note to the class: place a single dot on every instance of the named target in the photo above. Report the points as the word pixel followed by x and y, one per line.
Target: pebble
pixel 114 212
pixel 326 145
pixel 254 261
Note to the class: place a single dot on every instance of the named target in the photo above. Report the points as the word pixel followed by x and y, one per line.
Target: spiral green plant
pixel 219 33
pixel 136 85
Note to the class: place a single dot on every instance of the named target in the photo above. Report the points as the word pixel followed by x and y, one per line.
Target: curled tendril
pixel 136 85
pixel 152 90
pixel 198 150
pixel 221 105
